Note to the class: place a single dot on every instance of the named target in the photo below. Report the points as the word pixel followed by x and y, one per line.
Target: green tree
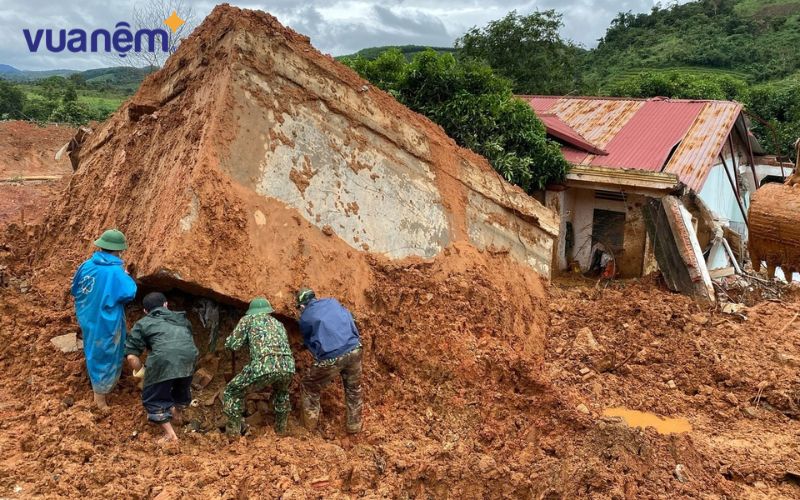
pixel 78 80
pixel 12 100
pixel 70 112
pixel 476 108
pixel 528 50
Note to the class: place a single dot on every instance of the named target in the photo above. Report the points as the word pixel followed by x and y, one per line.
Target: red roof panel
pixel 646 140
pixel 557 128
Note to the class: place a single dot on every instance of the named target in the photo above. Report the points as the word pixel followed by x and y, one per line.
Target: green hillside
pixel 409 51
pixel 755 40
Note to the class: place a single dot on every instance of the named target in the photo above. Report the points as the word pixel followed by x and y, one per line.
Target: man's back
pixel 328 329
pixel 100 283
pixel 268 342
pixel 168 336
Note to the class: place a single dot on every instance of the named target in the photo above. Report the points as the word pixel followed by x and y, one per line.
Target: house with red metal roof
pixel 624 151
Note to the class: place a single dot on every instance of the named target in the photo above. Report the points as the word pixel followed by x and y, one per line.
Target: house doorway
pixel 608 229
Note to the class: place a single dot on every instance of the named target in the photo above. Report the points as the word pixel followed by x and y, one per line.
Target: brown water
pixel 635 418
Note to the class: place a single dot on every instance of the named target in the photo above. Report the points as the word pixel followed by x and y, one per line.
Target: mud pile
pixel 253 164
pixel 29 174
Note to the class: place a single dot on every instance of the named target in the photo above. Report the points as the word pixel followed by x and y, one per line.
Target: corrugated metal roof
pixel 703 142
pixel 560 130
pixel 646 139
pixel 641 133
pixel 599 120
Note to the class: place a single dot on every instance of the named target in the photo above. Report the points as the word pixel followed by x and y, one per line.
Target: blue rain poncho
pixel 101 288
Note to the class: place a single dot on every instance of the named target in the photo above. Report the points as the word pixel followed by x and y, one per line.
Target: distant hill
pixel 11 73
pixel 121 78
pixel 753 39
pixel 407 50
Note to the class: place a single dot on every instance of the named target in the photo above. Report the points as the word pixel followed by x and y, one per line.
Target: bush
pixel 12 101
pixel 70 112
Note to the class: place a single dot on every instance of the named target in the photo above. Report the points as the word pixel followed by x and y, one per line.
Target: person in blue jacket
pixel 101 288
pixel 330 334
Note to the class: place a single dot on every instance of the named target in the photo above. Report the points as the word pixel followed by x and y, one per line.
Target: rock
pixel 700 319
pixel 786 359
pixel 731 308
pixel 751 411
pixel 584 370
pixel 201 379
pixel 731 398
pixel 582 408
pixel 585 341
pixel 67 343
pixel 255 420
pixel 588 376
pixel 604 363
pixel 671 384
pixel 680 473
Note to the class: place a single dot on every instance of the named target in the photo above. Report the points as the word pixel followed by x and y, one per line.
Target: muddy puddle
pixel 634 418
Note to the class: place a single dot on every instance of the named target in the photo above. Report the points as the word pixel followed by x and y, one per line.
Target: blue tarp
pixel 101 288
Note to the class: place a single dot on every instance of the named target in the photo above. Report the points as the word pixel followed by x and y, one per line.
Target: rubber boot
pixel 281 420
pixel 233 428
pixel 353 423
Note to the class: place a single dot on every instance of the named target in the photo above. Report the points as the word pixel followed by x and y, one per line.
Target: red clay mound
pixel 29 173
pixel 253 164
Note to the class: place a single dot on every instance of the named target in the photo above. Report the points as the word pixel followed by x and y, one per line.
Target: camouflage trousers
pixel 322 373
pixel 234 396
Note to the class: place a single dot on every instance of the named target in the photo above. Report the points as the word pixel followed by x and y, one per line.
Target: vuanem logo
pixel 122 40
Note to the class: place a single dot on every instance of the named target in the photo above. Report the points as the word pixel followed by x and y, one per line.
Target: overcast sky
pixel 335 26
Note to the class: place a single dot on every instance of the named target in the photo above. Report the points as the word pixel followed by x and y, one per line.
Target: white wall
pixel 718 194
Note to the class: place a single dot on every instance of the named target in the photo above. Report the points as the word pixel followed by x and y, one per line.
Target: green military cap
pixel 304 295
pixel 112 239
pixel 259 305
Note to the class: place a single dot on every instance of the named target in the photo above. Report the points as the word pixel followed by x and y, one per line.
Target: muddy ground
pixel 467 410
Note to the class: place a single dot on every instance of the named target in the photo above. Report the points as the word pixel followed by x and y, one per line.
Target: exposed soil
pixel 480 380
pixel 29 174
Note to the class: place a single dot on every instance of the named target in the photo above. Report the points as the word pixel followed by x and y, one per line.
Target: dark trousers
pixel 160 398
pixel 322 373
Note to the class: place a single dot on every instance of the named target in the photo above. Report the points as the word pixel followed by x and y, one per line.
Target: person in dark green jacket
pixel 171 360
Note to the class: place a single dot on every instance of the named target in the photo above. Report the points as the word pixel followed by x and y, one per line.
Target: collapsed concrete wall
pixel 252 164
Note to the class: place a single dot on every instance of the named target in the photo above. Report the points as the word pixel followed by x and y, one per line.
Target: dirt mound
pixel 733 376
pixel 252 164
pixel 29 174
pixel 28 150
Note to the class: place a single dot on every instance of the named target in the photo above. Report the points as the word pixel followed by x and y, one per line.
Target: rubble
pixel 67 343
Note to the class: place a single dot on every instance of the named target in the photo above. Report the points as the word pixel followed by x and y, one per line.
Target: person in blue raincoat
pixel 101 288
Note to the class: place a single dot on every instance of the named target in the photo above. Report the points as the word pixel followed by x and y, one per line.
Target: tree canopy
pixel 528 50
pixel 475 107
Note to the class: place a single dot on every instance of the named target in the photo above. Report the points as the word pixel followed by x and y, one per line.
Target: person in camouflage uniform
pixel 271 364
pixel 330 334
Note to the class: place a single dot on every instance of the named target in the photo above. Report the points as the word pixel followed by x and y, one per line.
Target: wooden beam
pixel 642 180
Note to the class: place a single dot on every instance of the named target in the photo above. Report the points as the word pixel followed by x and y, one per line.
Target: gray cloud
pixel 334 26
